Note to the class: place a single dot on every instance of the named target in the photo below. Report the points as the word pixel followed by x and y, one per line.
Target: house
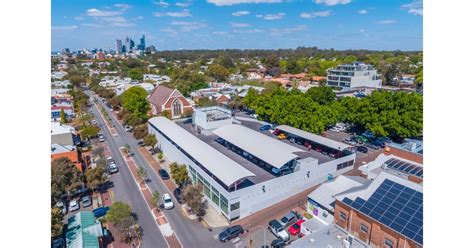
pixel 223 99
pixel 171 100
pixel 63 106
pixel 58 74
pixel 255 74
pixel 67 151
pixel 84 231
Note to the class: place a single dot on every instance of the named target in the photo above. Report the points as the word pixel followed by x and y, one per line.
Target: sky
pixel 241 24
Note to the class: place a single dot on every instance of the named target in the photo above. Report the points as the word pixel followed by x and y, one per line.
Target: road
pixel 190 233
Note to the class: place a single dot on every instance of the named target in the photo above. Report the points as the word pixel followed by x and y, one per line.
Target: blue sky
pixel 244 24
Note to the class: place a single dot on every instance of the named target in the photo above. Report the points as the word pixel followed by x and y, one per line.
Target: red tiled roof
pixel 159 95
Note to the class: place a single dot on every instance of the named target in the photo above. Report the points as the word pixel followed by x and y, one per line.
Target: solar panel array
pixel 395 206
pixel 405 167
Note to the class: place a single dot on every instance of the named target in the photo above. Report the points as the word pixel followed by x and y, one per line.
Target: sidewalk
pixel 156 166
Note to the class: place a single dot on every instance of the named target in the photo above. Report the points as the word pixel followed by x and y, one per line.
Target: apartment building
pixel 357 74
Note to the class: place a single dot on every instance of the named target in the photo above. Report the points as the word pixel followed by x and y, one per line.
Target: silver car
pixel 86 201
pixel 74 205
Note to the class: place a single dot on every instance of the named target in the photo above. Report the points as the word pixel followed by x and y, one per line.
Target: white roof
pixel 58 128
pixel 315 138
pixel 270 150
pixel 227 170
pixel 324 194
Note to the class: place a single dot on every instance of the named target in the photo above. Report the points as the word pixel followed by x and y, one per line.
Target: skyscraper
pixel 127 43
pixel 142 43
pixel 118 46
pixel 132 44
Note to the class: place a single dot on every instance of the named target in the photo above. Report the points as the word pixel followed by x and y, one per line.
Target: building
pixel 171 100
pixel 357 74
pixel 132 45
pixel 118 46
pixel 67 151
pixel 63 134
pixel 100 55
pixel 57 108
pixel 411 149
pixel 387 213
pixel 210 118
pixel 84 231
pixel 142 45
pixel 58 74
pixel 242 170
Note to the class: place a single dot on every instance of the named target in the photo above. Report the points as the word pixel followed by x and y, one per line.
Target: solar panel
pixel 405 167
pixel 395 206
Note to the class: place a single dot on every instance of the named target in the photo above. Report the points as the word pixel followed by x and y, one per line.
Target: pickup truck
pixel 278 230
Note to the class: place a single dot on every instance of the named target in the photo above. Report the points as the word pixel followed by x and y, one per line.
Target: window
pixel 388 243
pixel 224 204
pixel 177 107
pixel 342 215
pixel 345 164
pixel 234 206
pixel 215 198
pixel 364 228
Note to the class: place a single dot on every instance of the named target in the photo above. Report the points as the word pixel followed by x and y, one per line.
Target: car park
pixel 349 141
pixel 178 194
pixel 167 201
pixel 295 229
pixel 371 146
pixel 74 205
pixel 362 149
pixel 113 168
pixel 278 230
pixel 288 219
pixel 163 174
pixel 231 233
pixel 86 201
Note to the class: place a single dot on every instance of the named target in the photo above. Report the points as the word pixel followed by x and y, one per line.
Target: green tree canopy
pixel 56 222
pixel 89 131
pixel 179 173
pixel 140 132
pixel 322 95
pixel 65 177
pixel 218 72
pixel 150 140
pixel 118 212
pixel 134 100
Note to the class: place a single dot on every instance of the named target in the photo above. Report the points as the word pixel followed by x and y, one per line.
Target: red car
pixel 295 228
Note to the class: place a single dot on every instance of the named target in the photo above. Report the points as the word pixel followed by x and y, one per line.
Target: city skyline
pixel 239 24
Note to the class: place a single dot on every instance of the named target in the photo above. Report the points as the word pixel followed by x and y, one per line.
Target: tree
pixel 135 74
pixel 118 212
pixel 150 140
pixel 126 149
pixel 218 72
pixel 160 156
pixel 90 131
pixel 155 198
pixel 115 102
pixel 65 178
pixel 140 132
pixel 322 95
pixel 96 176
pixel 166 114
pixel 142 174
pixel 132 119
pixel 62 115
pixel 134 100
pixel 98 151
pixel 193 197
pixel 56 222
pixel 179 173
pixel 77 80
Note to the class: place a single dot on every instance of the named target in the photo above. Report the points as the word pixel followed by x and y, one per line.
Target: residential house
pixel 62 134
pixel 84 231
pixel 67 151
pixel 170 100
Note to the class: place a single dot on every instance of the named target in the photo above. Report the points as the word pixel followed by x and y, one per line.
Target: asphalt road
pixel 189 232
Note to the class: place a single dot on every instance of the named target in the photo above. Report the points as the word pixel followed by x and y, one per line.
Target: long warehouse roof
pixel 315 138
pixel 224 168
pixel 270 150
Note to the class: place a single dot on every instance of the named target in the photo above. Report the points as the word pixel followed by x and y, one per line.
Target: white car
pixel 336 129
pixel 113 168
pixel 255 116
pixel 101 138
pixel 128 128
pixel 167 201
pixel 60 205
pixel 74 205
pixel 109 160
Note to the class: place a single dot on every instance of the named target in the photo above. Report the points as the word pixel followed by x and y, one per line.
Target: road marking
pixel 238 244
pixel 235 240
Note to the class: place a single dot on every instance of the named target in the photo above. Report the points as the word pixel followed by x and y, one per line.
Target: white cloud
pixel 94 25
pixel 220 32
pixel 62 28
pixel 189 26
pixel 362 30
pixel 102 13
pixel 241 13
pixel 79 18
pixel 162 3
pixel 249 31
pixel 286 31
pixel 183 5
pixel 415 7
pixel 234 2
pixel 387 22
pixel 170 31
pixel 332 2
pixel 239 25
pixel 184 13
pixel 362 11
pixel 272 17
pixel 315 14
pixel 122 6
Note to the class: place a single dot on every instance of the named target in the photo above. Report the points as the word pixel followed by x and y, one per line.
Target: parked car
pixel 74 205
pixel 378 143
pixel 336 129
pixel 94 122
pixel 163 174
pixel 255 116
pixel 128 128
pixel 61 205
pixel 278 230
pixel 101 138
pixel 362 149
pixel 178 194
pixel 265 127
pixel 349 141
pixel 288 219
pixel 371 146
pixel 167 201
pixel 295 229
pixel 86 201
pixel 109 160
pixel 282 136
pixel 101 211
pixel 113 168
pixel 278 243
pixel 231 233
pixel 140 143
pixel 368 134
pixel 58 243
